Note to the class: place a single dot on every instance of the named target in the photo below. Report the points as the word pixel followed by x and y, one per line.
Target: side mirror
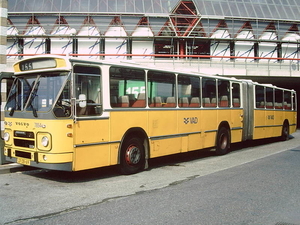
pixel 82 100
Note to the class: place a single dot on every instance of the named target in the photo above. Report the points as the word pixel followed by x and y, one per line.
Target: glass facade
pixel 134 29
pixel 265 9
pixel 92 6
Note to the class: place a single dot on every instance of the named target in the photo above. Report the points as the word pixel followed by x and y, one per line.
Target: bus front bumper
pixel 61 162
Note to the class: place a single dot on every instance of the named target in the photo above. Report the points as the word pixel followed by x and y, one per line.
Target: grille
pixel 24 134
pixel 24 143
pixel 24 139
pixel 25 155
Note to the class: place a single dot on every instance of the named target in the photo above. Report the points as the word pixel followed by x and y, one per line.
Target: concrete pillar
pixel 3 28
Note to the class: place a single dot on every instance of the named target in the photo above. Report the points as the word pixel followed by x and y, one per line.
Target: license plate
pixel 23 161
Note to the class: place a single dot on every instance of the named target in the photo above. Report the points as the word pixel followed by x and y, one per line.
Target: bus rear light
pixel 44 157
pixel 69 125
pixel 69 135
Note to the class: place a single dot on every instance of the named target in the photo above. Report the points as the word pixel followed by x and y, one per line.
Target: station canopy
pixel 258 9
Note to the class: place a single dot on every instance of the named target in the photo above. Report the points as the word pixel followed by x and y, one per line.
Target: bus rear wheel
pixel 285 133
pixel 223 141
pixel 132 156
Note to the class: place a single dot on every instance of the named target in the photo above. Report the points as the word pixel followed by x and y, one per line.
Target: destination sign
pixel 35 64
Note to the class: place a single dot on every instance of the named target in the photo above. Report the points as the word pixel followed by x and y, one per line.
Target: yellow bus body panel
pixel 189 122
pixel 91 131
pixel 96 143
pixel 268 123
pixel 121 121
pixel 236 124
pixel 91 139
pixel 61 150
pixel 91 157
pixel 259 124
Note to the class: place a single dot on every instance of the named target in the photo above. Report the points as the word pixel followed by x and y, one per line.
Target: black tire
pixel 223 141
pixel 132 156
pixel 285 133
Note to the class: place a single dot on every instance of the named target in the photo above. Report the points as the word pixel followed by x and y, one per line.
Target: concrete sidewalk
pixel 6 167
pixel 12 168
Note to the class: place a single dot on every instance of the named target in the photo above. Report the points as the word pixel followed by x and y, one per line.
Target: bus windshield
pixel 38 92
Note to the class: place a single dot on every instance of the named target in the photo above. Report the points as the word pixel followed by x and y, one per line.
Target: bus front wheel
pixel 132 156
pixel 223 141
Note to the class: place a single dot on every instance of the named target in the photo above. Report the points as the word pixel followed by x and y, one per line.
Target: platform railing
pixel 222 65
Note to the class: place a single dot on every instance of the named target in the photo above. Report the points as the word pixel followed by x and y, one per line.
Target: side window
pixel 188 91
pixel 209 92
pixel 127 87
pixel 87 91
pixel 278 99
pixel 236 95
pixel 62 107
pixel 223 93
pixel 260 96
pixel 161 89
pixel 287 100
pixel 294 100
pixel 269 98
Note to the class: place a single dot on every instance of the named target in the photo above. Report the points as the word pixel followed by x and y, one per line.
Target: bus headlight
pixel 45 141
pixel 6 136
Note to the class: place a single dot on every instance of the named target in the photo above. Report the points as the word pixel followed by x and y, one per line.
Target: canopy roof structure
pixel 258 9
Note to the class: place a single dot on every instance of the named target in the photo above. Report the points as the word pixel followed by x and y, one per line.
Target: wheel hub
pixel 223 141
pixel 133 155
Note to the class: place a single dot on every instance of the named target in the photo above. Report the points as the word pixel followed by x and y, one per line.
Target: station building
pixel 250 39
pixel 253 39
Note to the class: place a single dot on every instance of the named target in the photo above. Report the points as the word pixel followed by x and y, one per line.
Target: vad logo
pixel 191 120
pixel 186 120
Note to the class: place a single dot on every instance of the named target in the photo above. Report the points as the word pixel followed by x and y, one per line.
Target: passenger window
pixel 236 95
pixel 209 92
pixel 62 107
pixel 88 91
pixel 287 105
pixel 223 93
pixel 278 99
pixel 269 98
pixel 260 96
pixel 127 87
pixel 161 89
pixel 188 91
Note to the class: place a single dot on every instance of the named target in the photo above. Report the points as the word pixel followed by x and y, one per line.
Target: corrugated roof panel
pixel 261 9
pixel 121 6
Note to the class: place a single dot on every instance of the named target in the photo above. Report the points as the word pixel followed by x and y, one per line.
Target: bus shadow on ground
pixel 112 171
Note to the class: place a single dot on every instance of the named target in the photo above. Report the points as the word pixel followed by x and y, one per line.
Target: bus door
pixel 248 110
pixel 163 122
pixel 6 81
pixel 91 126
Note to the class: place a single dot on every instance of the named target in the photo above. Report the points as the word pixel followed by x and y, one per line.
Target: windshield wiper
pixel 11 113
pixel 33 95
pixel 12 96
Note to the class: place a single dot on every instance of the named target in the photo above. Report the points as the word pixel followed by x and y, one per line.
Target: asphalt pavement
pixel 39 195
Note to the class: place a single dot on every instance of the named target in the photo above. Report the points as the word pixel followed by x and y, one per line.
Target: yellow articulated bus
pixel 71 114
